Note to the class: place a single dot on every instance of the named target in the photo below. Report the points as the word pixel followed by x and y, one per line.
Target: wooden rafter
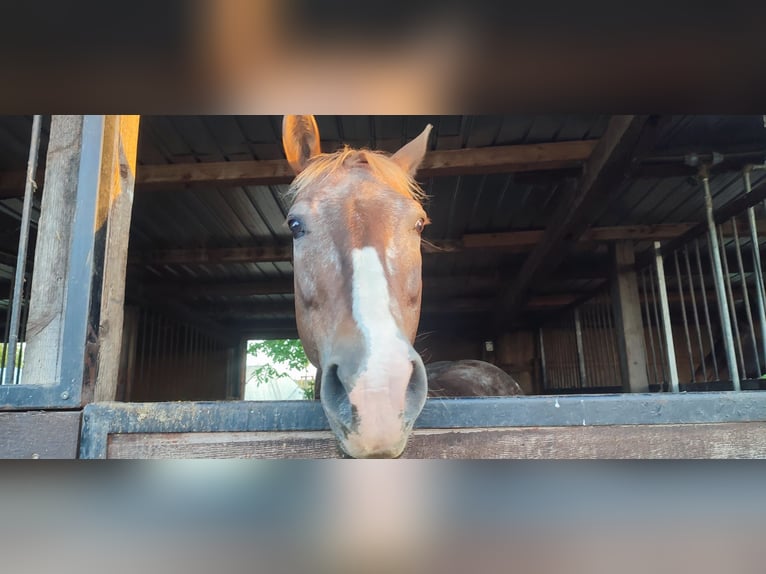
pixel 512 241
pixel 603 172
pixel 497 159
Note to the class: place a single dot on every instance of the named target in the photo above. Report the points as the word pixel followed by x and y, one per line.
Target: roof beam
pixel 511 241
pixel 605 169
pixel 495 159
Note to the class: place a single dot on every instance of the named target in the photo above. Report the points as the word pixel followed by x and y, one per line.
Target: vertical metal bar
pixel 543 366
pixel 695 313
pixel 580 350
pixel 21 257
pixel 80 276
pixel 593 343
pixel 667 327
pixel 608 310
pixel 603 343
pixel 707 310
pixel 757 271
pixel 684 318
pixel 746 297
pixel 576 380
pixel 731 302
pixel 5 339
pixel 654 279
pixel 650 328
pixel 26 292
pixel 718 276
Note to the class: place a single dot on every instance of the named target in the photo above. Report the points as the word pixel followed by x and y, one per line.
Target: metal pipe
pixel 683 316
pixel 21 258
pixel 543 369
pixel 746 296
pixel 730 299
pixel 758 272
pixel 658 323
pixel 650 327
pixel 580 350
pixel 667 328
pixel 719 283
pixel 695 313
pixel 707 310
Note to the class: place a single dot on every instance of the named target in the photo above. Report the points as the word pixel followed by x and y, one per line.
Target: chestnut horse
pixel 356 219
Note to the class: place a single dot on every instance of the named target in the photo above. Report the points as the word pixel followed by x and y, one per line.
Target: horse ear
pixel 300 139
pixel 410 156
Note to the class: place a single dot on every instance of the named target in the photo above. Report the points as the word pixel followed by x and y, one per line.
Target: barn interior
pixel 537 223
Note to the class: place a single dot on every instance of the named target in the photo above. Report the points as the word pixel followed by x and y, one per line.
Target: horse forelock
pixel 380 165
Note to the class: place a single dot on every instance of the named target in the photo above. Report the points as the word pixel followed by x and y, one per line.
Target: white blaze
pixel 379 393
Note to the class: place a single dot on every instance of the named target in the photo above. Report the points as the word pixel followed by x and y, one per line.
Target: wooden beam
pixel 52 258
pixel 256 254
pixel 39 435
pixel 672 441
pixel 497 159
pixel 185 289
pixel 115 204
pixel 535 163
pixel 603 172
pixel 656 232
pixel 628 322
pixel 509 242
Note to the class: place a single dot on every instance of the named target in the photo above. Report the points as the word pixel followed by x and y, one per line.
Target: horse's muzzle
pixel 372 413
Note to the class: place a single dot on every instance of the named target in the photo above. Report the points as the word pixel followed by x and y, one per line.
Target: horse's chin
pixel 353 447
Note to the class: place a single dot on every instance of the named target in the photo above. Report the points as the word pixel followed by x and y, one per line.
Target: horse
pixel 356 217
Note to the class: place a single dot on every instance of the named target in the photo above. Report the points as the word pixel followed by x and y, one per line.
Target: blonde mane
pixel 380 165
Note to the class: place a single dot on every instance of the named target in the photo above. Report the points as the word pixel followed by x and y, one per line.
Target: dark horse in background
pixel 356 217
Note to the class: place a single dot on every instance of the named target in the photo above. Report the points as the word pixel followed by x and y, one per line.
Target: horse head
pixel 356 219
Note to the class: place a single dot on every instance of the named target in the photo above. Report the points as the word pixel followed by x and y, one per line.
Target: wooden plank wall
pixel 37 434
pixel 720 440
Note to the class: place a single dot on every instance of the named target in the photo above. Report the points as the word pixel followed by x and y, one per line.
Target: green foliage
pixel 283 354
pixel 18 359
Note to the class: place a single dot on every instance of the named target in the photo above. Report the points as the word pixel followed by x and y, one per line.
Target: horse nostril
pixel 335 398
pixel 416 391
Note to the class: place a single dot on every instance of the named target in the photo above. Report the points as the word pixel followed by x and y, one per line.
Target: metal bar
pixel 666 326
pixel 663 350
pixel 26 292
pixel 612 336
pixel 695 313
pixel 746 296
pixel 684 318
pixel 5 339
pixel 580 350
pixel 719 285
pixel 598 352
pixel 707 310
pixel 758 271
pixel 650 328
pixel 730 300
pixel 543 366
pixel 21 258
pixel 602 316
pixel 78 289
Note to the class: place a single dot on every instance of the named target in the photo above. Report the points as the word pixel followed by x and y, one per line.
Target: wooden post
pixel 627 312
pixel 45 322
pixel 74 327
pixel 115 204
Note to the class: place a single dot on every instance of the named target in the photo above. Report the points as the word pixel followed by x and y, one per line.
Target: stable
pixel 610 265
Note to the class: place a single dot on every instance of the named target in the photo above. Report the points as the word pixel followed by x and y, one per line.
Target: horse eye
pixel 296 227
pixel 419 225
